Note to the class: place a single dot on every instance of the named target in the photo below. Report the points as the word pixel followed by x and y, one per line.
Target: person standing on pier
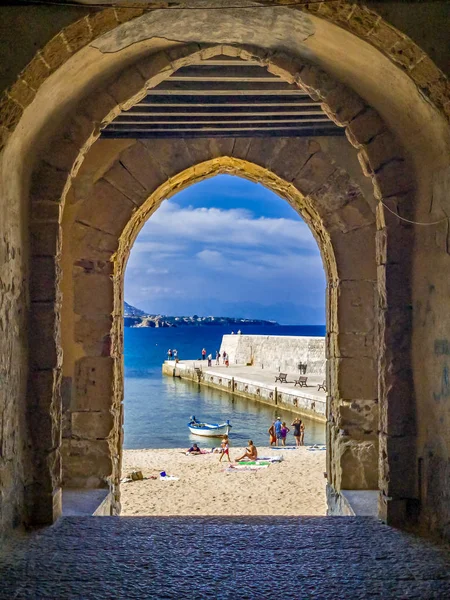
pixel 217 357
pixel 209 360
pixel 203 354
pixel 224 357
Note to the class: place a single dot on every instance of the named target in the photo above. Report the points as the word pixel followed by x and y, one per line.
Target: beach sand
pixel 296 486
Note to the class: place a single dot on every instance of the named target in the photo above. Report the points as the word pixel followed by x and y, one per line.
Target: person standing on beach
pixel 225 448
pixel 277 426
pixel 272 434
pixel 284 431
pixel 297 434
pixel 302 434
pixel 203 354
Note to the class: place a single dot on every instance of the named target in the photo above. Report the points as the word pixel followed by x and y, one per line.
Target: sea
pixel 158 408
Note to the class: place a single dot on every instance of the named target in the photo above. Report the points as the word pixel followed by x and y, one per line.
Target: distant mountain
pixel 132 311
pixel 135 317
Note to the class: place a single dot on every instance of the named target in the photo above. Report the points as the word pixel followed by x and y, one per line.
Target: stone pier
pixel 257 384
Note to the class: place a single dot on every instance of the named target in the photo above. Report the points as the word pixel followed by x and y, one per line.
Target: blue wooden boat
pixel 208 429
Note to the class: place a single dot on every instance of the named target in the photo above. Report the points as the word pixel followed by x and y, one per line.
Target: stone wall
pixel 273 352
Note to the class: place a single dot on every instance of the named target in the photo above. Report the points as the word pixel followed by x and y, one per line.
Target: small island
pixel 135 317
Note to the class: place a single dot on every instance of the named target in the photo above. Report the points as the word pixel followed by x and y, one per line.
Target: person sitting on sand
pixel 251 452
pixel 284 431
pixel 225 448
pixel 194 449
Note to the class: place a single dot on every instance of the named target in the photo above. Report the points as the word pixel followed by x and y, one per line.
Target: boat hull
pixel 210 431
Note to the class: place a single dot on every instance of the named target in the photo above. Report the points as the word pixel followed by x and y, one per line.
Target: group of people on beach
pixel 278 432
pixel 251 452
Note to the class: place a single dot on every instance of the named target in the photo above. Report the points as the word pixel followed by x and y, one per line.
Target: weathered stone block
pixel 397 406
pixel 122 180
pixel 92 244
pixel 355 378
pixel 184 55
pixel 356 307
pixel 394 288
pixel 102 21
pixel 143 166
pixel 359 419
pixel 93 383
pixel 406 53
pixel 93 293
pixel 364 127
pixel 45 389
pixel 36 72
pixel 355 214
pixel 384 36
pixel 10 112
pixel 398 465
pixel 62 154
pixel 108 209
pixel 49 183
pixel 56 52
pixel 46 211
pixel 45 239
pixel 284 66
pixel 155 69
pixel 380 150
pixel 44 275
pixel 392 179
pixel 342 105
pixel 355 253
pixel 94 334
pixel 314 173
pixel 352 345
pixel 22 93
pixel 126 14
pixel 78 34
pixel 357 463
pixel 291 157
pixel 45 350
pixel 315 81
pixel 101 107
pixel 362 20
pixel 92 424
pixel 128 89
pixel 173 158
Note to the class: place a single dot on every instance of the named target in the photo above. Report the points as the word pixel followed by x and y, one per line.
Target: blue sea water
pixel 157 407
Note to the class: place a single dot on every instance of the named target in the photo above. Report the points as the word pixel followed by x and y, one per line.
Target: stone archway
pixel 380 155
pixel 99 243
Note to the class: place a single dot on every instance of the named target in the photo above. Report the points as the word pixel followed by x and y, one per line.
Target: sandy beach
pixel 295 486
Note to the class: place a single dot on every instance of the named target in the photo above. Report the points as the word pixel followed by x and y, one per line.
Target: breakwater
pixel 277 352
pixel 257 384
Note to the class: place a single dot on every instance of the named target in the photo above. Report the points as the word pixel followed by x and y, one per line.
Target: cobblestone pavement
pixel 90 558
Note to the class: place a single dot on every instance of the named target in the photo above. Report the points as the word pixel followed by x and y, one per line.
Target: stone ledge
pixel 82 502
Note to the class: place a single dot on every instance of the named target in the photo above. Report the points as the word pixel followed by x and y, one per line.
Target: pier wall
pixel 303 403
pixel 277 353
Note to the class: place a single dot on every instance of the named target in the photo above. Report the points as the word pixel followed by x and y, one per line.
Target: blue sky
pixel 227 247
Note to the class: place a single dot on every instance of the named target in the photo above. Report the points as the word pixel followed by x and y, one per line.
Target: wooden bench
pixel 301 381
pixel 322 386
pixel 282 378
